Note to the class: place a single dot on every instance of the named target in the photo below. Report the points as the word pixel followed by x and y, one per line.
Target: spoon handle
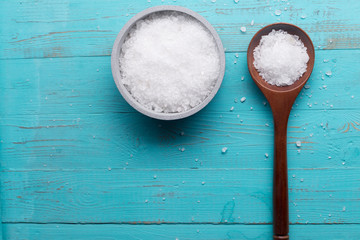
pixel 280 184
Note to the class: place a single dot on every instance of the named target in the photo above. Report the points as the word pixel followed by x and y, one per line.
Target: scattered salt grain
pixel 242 78
pixel 266 155
pixel 252 23
pixel 243 99
pixel 280 58
pixel 328 73
pixel 231 109
pixel 298 143
pixel 236 1
pixel 169 62
pixel 303 16
pixel 243 29
pixel 278 12
pixel 224 150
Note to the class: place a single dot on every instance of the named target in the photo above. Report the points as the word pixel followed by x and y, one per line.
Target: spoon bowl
pixel 281 100
pixel 293 30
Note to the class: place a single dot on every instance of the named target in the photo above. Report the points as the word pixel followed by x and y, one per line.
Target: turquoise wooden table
pixel 77 162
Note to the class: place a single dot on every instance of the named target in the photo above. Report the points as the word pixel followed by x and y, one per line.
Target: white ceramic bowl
pixel 115 68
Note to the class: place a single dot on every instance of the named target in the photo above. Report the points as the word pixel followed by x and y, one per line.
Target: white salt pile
pixel 280 58
pixel 169 62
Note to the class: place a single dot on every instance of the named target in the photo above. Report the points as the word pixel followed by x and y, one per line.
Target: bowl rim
pixel 115 67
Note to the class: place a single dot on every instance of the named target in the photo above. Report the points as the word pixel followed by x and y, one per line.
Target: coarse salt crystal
pixel 280 58
pixel 243 29
pixel 169 62
pixel 328 73
pixel 243 99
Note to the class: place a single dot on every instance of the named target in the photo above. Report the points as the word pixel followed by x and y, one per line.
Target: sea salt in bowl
pixel 191 89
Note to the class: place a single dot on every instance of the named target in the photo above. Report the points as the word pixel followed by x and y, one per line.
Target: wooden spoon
pixel 281 100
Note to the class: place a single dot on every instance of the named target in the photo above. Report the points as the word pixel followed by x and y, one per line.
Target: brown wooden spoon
pixel 281 100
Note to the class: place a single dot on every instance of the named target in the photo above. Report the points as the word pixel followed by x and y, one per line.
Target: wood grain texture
pixel 178 196
pixel 77 162
pixel 134 141
pixel 179 231
pixel 77 28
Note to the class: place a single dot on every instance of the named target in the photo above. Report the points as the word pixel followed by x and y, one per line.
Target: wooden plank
pixel 61 28
pixel 134 141
pixel 85 85
pixel 153 196
pixel 165 232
